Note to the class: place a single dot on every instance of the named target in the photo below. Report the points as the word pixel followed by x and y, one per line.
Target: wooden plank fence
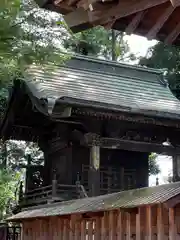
pixel 145 223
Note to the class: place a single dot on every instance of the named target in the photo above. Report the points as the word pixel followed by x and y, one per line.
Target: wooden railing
pixel 111 179
pixel 53 193
pixel 38 195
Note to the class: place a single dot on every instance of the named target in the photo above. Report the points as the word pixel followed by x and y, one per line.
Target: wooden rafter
pixel 122 9
pixel 135 22
pixel 76 18
pixel 173 35
pixel 125 8
pixel 160 22
pixel 57 2
pixel 175 3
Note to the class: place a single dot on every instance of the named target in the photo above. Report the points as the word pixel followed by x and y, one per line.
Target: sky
pixel 139 46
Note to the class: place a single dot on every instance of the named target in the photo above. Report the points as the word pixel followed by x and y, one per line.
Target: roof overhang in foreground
pixel 154 19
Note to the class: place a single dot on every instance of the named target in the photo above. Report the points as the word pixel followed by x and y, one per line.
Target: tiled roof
pixel 106 84
pixel 126 199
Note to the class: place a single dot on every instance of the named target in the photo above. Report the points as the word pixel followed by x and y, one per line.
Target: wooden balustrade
pixel 51 193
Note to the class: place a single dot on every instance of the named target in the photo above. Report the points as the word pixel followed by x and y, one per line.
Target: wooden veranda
pixel 148 213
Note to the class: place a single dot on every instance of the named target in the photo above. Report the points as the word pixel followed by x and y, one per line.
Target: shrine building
pixel 96 122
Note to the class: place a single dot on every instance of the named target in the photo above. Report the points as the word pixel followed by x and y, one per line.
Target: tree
pixel 100 42
pixel 153 166
pixel 165 57
pixel 8 185
pixel 13 154
pixel 13 172
pixel 27 36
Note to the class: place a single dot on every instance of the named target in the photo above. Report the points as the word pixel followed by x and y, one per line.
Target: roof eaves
pixel 115 108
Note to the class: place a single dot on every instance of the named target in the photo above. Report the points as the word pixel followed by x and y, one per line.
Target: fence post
pixel 78 186
pixel 54 188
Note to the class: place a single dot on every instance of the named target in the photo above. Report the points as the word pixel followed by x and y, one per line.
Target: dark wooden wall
pixel 119 170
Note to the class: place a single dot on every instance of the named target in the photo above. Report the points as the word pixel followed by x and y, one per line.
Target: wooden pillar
pixel 54 189
pixel 94 171
pixel 109 179
pixel 142 171
pixel 176 168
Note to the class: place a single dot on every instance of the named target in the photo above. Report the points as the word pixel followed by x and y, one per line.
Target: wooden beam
pixel 175 3
pixel 135 22
pixel 76 19
pixel 116 143
pixel 173 35
pixel 82 16
pixel 127 7
pixel 160 22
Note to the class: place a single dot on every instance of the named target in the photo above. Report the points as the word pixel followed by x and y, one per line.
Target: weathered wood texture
pixel 153 19
pixel 150 222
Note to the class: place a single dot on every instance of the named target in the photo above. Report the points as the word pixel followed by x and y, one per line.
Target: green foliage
pixel 13 159
pixel 8 185
pixel 153 166
pixel 168 58
pixel 27 35
pixel 14 154
pixel 99 42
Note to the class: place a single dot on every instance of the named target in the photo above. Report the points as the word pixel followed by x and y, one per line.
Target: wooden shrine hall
pixel 96 122
pixel 154 19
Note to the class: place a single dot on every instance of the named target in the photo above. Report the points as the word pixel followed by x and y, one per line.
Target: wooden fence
pixel 149 223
